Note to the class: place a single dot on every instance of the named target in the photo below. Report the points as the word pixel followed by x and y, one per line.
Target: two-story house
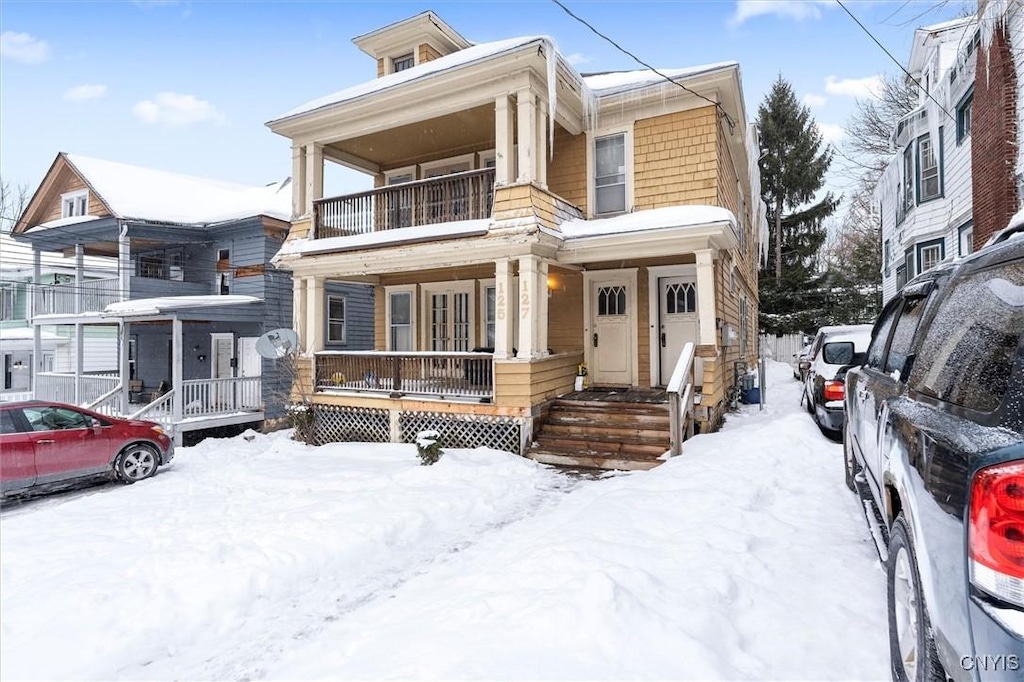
pixel 18 284
pixel 925 194
pixel 528 223
pixel 191 294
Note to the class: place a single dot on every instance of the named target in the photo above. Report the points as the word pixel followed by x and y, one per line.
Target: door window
pixel 680 298
pixel 611 301
pixel 902 337
pixel 968 353
pixel 876 351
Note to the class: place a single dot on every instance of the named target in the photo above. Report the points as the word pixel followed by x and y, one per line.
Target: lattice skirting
pixel 464 431
pixel 334 424
pixel 357 424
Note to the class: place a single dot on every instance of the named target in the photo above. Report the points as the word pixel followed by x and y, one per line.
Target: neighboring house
pixel 998 162
pixel 193 291
pixel 17 287
pixel 527 220
pixel 924 195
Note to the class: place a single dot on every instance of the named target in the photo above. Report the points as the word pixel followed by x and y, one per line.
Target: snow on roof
pixel 26 333
pixel 462 57
pixel 17 256
pixel 160 196
pixel 420 233
pixel 654 219
pixel 164 304
pixel 620 81
pixel 946 25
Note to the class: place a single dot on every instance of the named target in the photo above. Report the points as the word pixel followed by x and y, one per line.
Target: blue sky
pixel 188 86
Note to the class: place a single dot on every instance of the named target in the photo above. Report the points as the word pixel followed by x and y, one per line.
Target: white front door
pixel 678 322
pixel 250 364
pixel 222 352
pixel 611 329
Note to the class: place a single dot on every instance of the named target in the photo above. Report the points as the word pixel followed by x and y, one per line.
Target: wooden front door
pixel 611 329
pixel 678 322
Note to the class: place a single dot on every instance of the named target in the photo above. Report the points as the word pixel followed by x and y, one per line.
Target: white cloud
pixel 176 110
pixel 577 58
pixel 21 47
pixel 80 93
pixel 792 9
pixel 812 100
pixel 867 87
pixel 831 132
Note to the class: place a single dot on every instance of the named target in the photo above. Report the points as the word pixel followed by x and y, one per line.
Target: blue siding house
pixel 192 292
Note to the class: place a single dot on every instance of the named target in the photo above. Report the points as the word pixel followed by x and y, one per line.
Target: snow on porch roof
pixel 170 304
pixel 654 219
pixel 456 59
pixel 620 81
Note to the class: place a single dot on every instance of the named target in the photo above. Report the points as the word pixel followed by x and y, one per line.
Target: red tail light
pixel 995 535
pixel 835 390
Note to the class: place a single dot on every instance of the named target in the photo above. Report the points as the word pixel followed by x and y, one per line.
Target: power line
pixel 721 109
pixel 894 60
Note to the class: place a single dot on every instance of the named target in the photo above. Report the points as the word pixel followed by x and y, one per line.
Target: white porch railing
pixel 680 400
pixel 445 375
pixel 211 397
pixel 15 396
pixel 109 403
pixel 60 386
pixel 158 411
pixel 95 295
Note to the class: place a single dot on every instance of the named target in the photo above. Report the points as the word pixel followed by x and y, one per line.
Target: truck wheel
pixel 911 646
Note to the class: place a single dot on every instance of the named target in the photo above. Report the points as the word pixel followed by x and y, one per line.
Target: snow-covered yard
pixel 745 558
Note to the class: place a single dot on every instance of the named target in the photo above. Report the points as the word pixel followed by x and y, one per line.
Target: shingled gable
pixel 60 178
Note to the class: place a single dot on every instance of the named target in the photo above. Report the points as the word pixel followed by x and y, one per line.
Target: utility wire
pixel 894 60
pixel 724 113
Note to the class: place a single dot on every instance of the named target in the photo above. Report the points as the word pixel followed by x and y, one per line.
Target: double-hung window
pixel 964 113
pixel 74 204
pixel 908 180
pixel 610 174
pixel 929 255
pixel 400 320
pixel 336 319
pixel 928 176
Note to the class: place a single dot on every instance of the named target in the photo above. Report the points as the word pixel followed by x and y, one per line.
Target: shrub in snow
pixel 428 447
pixel 301 418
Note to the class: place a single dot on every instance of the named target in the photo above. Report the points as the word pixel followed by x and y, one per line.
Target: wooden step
pixel 640 421
pixel 611 406
pixel 593 461
pixel 613 431
pixel 590 445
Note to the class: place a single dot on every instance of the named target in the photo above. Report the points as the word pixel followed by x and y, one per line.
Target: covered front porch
pixel 175 365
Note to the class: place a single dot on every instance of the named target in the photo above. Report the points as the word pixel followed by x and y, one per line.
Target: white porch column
pixel 124 263
pixel 79 362
pixel 706 297
pixel 314 314
pixel 526 118
pixel 503 323
pixel 124 372
pixel 543 295
pixel 79 276
pixel 176 378
pixel 504 161
pixel 299 308
pixel 37 331
pixel 529 308
pixel 314 175
pixel 298 180
pixel 541 145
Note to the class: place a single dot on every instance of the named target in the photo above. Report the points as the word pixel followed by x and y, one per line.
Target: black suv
pixel 934 441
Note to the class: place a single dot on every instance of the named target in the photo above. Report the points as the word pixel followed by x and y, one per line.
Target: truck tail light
pixel 835 390
pixel 995 533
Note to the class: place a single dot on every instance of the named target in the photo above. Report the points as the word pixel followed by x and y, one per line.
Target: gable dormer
pixel 64 194
pixel 410 42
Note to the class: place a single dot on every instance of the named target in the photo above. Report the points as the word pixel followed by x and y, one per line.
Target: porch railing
pixel 211 397
pixel 158 411
pixel 60 386
pixel 109 403
pixel 444 375
pixel 459 196
pixel 59 299
pixel 680 400
pixel 15 396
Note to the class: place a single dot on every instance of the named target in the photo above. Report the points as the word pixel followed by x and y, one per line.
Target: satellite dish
pixel 277 343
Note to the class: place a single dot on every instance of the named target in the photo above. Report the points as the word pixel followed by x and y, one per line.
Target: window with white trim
pixel 908 182
pixel 7 298
pixel 928 177
pixel 335 319
pixel 73 204
pixel 929 256
pixel 610 174
pixel 401 318
pixel 406 61
pixel 966 238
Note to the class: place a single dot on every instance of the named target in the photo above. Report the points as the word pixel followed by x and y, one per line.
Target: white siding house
pixel 924 196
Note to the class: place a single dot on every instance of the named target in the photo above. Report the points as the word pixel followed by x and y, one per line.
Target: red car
pixel 43 443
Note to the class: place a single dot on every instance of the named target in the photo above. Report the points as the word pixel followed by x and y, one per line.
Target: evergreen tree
pixel 793 289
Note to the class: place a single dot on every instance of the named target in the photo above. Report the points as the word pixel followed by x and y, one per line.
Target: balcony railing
pixel 442 375
pixel 459 196
pixel 59 299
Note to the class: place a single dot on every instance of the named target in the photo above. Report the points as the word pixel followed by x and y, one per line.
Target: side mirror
pixel 94 424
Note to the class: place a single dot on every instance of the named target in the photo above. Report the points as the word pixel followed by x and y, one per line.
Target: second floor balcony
pixel 468 195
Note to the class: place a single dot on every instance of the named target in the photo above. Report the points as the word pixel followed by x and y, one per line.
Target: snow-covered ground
pixel 745 558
